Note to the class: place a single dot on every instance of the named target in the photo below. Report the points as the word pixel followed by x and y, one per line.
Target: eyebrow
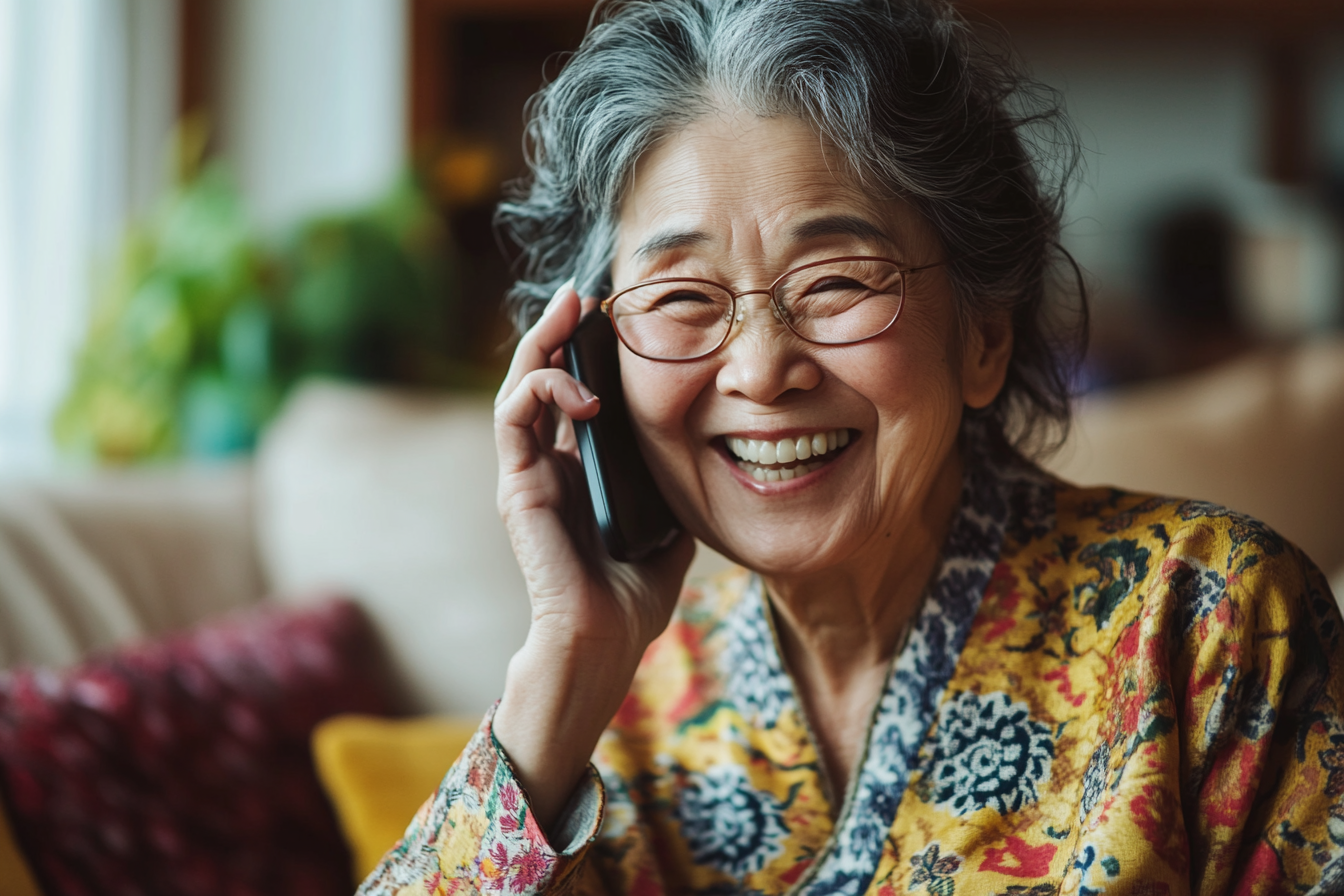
pixel 841 225
pixel 666 242
pixel 817 228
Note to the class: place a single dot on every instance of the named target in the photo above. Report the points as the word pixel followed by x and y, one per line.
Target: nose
pixel 763 359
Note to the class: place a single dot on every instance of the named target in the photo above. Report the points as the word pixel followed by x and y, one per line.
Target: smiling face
pixel 740 200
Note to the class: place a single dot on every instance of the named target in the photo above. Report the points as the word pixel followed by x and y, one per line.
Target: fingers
pixel 539 345
pixel 539 349
pixel 518 414
pixel 672 561
pixel 544 428
pixel 565 440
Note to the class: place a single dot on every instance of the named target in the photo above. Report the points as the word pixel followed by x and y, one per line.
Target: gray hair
pixel 922 108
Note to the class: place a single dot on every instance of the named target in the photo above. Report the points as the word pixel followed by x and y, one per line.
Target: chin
pixel 781 555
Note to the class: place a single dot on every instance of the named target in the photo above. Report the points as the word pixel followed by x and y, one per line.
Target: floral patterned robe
pixel 1103 693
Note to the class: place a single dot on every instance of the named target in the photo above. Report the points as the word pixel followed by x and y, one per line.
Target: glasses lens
pixel 841 301
pixel 672 321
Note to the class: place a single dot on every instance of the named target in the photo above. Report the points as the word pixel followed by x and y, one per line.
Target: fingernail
pixel 584 392
pixel 555 299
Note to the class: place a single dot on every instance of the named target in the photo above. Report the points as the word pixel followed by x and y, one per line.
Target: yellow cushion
pixel 378 772
pixel 15 877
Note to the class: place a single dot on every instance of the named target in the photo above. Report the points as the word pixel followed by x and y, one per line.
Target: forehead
pixel 733 183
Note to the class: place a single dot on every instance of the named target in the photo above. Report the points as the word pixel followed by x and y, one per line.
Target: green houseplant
pixel 200 326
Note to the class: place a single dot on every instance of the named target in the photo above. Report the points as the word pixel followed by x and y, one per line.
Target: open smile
pixel 780 460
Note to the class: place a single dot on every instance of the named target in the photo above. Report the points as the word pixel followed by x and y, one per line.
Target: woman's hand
pixel 592 618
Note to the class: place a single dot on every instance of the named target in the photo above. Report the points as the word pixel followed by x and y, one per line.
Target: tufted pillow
pixel 183 765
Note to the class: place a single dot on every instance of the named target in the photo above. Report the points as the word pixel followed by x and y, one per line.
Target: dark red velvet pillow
pixel 183 766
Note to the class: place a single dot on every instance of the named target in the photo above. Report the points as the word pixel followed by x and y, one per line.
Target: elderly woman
pixel 825 247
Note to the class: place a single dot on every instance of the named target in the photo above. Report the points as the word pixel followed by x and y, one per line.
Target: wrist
pixel 554 709
pixel 570 691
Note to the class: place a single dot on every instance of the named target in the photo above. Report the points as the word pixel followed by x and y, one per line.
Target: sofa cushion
pixel 183 765
pixel 1260 434
pixel 94 560
pixel 390 497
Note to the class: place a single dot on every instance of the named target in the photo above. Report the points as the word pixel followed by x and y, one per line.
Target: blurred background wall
pixel 311 100
pixel 1214 136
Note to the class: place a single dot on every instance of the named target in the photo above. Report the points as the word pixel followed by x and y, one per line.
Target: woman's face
pixel 740 200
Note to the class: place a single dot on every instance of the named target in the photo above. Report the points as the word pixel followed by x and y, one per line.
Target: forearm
pixel 557 702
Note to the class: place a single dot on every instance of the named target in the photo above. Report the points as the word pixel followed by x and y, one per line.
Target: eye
pixel 680 303
pixel 683 295
pixel 828 284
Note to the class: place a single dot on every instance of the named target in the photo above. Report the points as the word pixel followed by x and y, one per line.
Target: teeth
pixel 785 451
pixel 760 474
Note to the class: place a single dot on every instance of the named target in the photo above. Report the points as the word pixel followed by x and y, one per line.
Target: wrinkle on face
pixel 740 200
pixel 679 205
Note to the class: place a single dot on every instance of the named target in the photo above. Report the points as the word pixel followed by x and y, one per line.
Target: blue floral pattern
pixel 922 669
pixel 1197 591
pixel 753 673
pixel 1094 780
pixel 727 823
pixel 990 753
pixel 1257 715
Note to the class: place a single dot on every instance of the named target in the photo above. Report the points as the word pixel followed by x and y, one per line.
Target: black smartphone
pixel 632 517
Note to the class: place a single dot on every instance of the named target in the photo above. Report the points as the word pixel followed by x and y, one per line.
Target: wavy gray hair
pixel 921 106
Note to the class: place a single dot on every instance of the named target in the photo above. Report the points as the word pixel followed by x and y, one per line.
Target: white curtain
pixel 87 89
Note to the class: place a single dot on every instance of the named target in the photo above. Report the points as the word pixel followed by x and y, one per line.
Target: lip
pixel 796 484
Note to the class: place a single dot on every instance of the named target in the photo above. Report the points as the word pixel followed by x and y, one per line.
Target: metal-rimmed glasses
pixel 835 301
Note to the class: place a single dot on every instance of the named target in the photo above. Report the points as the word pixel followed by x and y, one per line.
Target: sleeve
pixel 1259 678
pixel 477 834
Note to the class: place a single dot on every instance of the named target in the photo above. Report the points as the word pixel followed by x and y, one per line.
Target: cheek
pixel 919 375
pixel 663 399
pixel 660 398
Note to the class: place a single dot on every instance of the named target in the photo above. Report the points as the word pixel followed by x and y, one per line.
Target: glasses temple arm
pixel 925 267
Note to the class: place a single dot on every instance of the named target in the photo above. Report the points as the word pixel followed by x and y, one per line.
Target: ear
pixel 984 365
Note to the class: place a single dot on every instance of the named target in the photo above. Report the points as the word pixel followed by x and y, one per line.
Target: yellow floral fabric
pixel 1103 693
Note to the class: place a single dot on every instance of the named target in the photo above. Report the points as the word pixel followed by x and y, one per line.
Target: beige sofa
pixel 390 498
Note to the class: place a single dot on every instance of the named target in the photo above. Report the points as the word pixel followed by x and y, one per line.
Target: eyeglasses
pixel 837 301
